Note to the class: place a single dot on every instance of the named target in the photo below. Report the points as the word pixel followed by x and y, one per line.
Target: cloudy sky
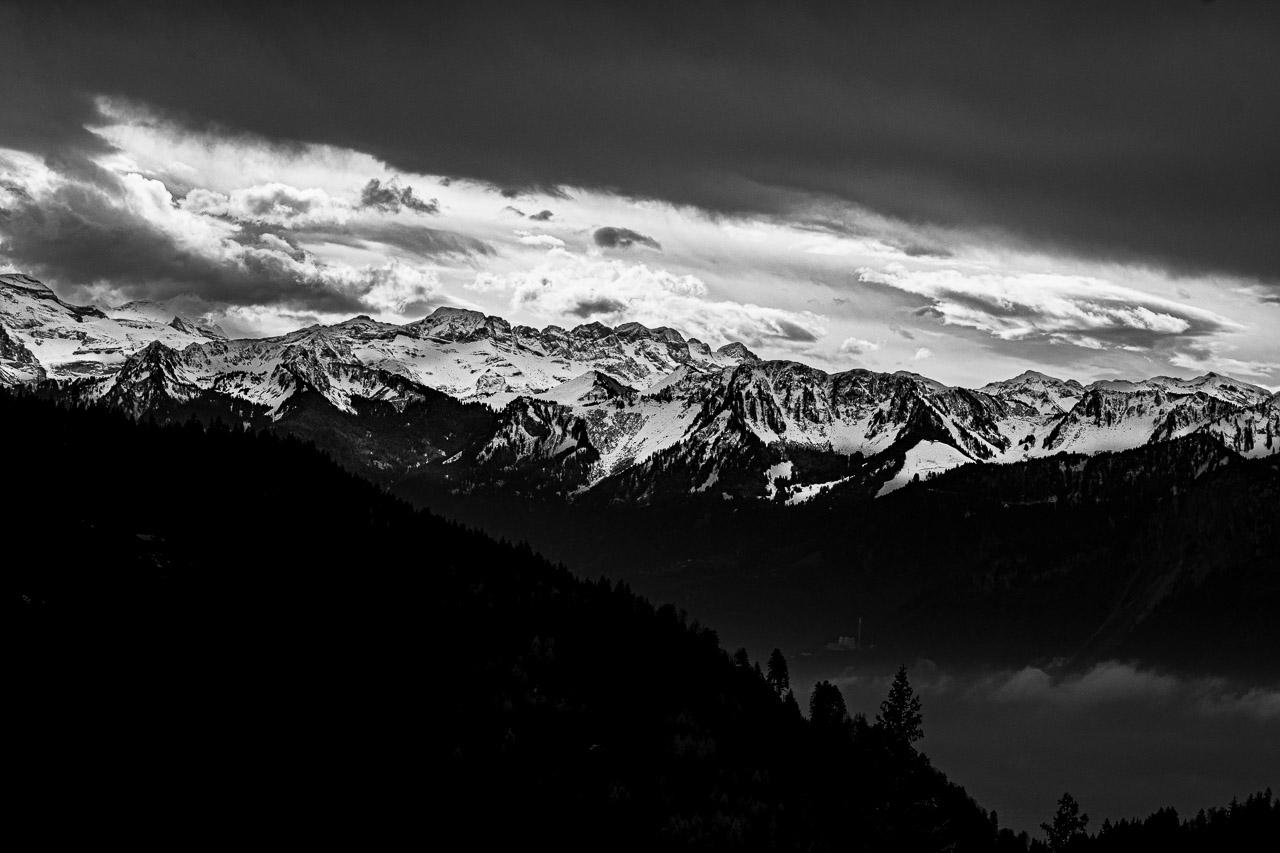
pixel 1086 189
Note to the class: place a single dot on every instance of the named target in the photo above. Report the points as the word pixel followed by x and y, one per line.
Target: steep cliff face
pixel 17 364
pixel 1252 432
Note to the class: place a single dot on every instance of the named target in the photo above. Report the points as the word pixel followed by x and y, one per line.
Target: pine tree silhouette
pixel 1068 825
pixel 779 677
pixel 827 710
pixel 900 713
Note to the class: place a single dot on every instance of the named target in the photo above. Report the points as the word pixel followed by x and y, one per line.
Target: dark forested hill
pixel 1165 553
pixel 220 635
pixel 220 630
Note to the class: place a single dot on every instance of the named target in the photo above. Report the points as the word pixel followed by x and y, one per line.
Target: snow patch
pixel 927 457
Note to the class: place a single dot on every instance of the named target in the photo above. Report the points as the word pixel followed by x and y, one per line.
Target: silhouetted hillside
pixel 1162 553
pixel 221 635
pixel 218 628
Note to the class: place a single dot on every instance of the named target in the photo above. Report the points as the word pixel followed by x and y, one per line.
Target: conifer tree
pixel 900 713
pixel 1068 825
pixel 792 706
pixel 827 710
pixel 779 677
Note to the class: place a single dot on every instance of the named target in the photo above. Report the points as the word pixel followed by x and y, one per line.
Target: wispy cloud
pixel 566 284
pixel 1079 310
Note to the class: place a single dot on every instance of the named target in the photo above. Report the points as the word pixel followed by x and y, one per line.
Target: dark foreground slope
pixel 222 636
pixel 220 631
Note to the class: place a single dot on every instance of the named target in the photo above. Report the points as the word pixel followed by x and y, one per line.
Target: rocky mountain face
pixel 627 414
pixel 71 341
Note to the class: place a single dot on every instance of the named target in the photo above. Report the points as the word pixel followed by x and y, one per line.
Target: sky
pixel 1087 189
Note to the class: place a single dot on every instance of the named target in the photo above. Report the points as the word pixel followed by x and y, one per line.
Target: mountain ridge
pixel 614 410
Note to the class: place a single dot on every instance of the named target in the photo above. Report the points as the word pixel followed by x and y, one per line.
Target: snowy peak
pixel 629 410
pixel 155 359
pixel 1034 379
pixel 196 328
pixel 142 309
pixel 459 324
pixel 738 352
pixel 589 389
pixel 70 341
pixel 637 331
pixel 1212 384
pixel 15 289
pixel 591 331
pixel 25 282
pixel 151 379
pixel 1048 395
pixel 1216 385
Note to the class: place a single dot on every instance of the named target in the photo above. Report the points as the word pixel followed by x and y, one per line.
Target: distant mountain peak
pixel 452 311
pixel 24 281
pixel 586 389
pixel 196 327
pixel 593 330
pixel 738 351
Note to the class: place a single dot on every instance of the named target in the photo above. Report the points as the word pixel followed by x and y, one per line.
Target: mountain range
pixel 1052 520
pixel 628 414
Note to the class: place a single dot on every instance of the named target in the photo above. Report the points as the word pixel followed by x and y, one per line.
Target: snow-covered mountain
pixel 69 341
pixel 1045 394
pixel 786 430
pixel 626 413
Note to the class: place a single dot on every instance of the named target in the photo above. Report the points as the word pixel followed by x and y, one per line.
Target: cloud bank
pixel 613 291
pixel 1114 131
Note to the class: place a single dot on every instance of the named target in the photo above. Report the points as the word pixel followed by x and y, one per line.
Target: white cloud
pixel 272 241
pixel 396 286
pixel 1112 682
pixel 857 346
pixel 568 285
pixel 545 241
pixel 1080 310
pixel 1210 357
pixel 922 354
pixel 271 204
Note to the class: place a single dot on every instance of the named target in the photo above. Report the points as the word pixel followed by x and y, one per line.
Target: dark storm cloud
pixel 915 250
pixel 390 198
pixel 622 238
pixel 531 188
pixel 795 332
pixel 76 236
pixel 1126 131
pixel 542 216
pixel 600 305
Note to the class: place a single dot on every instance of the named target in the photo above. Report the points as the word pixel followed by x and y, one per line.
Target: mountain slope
pixel 290 659
pixel 1163 552
pixel 70 341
